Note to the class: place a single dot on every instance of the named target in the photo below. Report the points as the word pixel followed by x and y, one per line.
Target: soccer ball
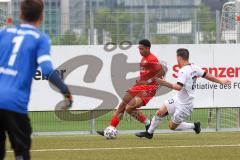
pixel 110 132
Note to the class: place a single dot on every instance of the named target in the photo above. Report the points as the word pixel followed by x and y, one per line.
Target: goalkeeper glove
pixel 68 100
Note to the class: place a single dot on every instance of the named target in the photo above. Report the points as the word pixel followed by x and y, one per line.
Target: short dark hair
pixel 31 10
pixel 184 53
pixel 145 43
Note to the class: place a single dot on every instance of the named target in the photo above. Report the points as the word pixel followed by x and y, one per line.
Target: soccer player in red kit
pixel 144 90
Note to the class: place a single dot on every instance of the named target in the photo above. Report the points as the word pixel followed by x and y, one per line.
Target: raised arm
pixel 217 80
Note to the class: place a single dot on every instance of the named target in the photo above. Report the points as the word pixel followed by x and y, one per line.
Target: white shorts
pixel 177 111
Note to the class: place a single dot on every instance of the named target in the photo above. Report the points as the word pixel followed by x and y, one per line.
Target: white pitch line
pixel 132 148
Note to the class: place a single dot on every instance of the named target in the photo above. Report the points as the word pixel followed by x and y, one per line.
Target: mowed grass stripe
pixel 133 148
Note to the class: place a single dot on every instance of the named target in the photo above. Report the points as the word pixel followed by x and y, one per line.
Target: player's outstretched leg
pixel 118 114
pixel 141 117
pixel 150 130
pixel 114 122
pixel 162 112
pixel 196 126
pixel 132 108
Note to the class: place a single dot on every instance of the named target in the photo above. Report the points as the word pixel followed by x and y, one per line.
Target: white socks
pixel 156 121
pixel 184 126
pixel 154 124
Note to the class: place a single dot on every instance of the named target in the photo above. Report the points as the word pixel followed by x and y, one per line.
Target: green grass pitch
pixel 173 146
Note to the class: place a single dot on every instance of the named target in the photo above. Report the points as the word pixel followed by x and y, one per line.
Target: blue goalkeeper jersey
pixel 22 50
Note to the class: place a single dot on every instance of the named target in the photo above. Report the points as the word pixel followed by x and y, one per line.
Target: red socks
pixel 114 121
pixel 142 118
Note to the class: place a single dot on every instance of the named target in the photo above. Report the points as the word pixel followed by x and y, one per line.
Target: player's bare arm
pixel 217 80
pixel 175 86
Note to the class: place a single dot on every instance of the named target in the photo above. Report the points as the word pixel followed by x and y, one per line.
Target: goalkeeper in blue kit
pixel 22 50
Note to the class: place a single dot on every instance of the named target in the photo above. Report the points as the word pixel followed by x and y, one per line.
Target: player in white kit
pixel 180 106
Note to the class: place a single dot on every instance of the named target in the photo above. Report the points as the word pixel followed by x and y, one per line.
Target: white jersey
pixel 187 77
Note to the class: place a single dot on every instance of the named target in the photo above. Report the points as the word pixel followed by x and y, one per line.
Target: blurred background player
pixel 22 50
pixel 180 106
pixel 144 90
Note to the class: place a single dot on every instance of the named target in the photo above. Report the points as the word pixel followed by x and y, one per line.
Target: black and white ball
pixel 110 132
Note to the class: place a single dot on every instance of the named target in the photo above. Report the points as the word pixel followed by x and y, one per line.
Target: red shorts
pixel 145 92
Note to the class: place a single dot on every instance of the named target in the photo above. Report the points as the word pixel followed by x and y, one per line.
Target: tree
pixel 207 24
pixel 120 24
pixel 160 39
pixel 69 38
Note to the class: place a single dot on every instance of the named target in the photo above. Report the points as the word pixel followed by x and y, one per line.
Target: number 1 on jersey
pixel 17 44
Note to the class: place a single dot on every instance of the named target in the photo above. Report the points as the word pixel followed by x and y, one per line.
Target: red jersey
pixel 144 71
pixel 146 92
